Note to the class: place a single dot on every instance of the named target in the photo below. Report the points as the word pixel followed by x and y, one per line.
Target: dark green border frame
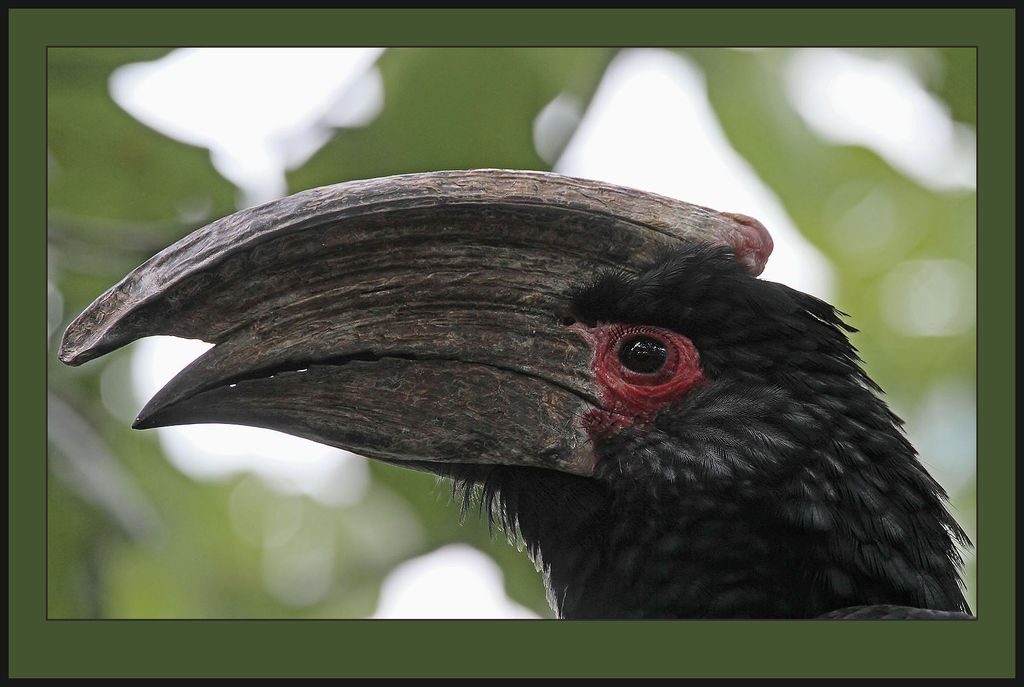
pixel 52 648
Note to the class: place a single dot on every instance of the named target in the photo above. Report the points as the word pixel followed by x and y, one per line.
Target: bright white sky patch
pixel 880 104
pixel 455 581
pixel 258 110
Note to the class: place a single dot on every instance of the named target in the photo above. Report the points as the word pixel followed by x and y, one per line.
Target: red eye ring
pixel 630 388
pixel 633 397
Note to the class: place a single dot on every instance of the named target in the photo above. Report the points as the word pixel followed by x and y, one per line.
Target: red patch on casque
pixel 630 398
pixel 751 241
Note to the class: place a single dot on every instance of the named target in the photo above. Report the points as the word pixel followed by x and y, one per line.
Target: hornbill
pixel 669 436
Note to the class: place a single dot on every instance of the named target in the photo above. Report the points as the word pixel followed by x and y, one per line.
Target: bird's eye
pixel 643 355
pixel 645 363
pixel 638 369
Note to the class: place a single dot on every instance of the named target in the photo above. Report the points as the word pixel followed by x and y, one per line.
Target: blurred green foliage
pixel 119 192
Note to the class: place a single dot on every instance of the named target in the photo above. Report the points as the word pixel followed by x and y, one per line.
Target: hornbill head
pixel 669 435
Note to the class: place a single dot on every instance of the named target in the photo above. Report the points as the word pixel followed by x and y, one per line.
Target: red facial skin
pixel 632 399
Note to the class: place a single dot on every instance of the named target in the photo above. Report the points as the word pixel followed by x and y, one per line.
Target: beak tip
pixel 142 422
pixel 84 341
pixel 69 352
pixel 148 418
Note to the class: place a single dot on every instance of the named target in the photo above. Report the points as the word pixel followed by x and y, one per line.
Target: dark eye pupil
pixel 644 355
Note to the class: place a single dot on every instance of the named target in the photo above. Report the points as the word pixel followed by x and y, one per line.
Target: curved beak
pixel 413 319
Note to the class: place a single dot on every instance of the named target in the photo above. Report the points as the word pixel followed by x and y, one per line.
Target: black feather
pixel 785 487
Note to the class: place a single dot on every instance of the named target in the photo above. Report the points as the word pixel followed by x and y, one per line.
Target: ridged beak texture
pixel 410 318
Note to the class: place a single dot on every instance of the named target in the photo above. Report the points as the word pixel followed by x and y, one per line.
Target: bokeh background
pixel 860 162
